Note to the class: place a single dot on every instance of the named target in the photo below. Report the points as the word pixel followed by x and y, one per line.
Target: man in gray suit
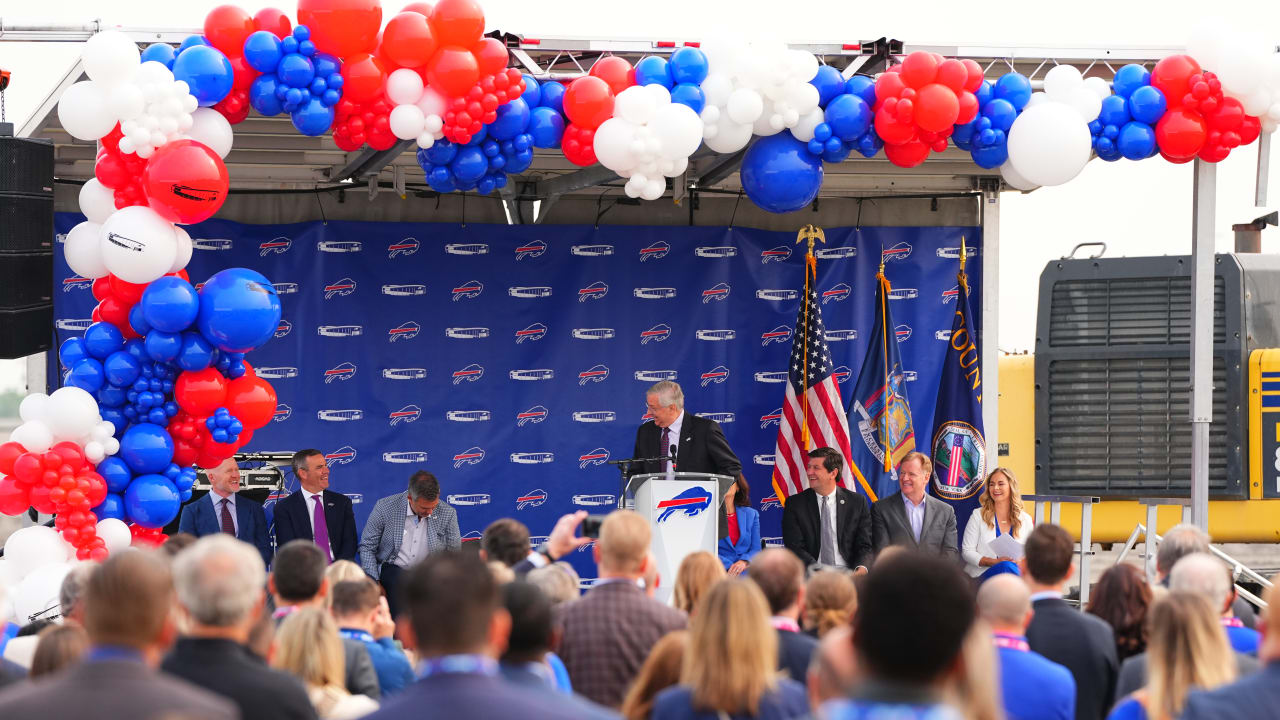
pixel 127 614
pixel 913 518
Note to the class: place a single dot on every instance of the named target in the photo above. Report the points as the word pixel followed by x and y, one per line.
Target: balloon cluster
pixel 1050 142
pixel 546 111
pixel 357 124
pixel 682 75
pixel 986 137
pixel 919 102
pixel 296 78
pixel 419 109
pixel 1246 64
pixel 118 172
pixel 588 102
pixel 650 137
pixel 1200 121
pixel 843 123
pixel 1125 127
pixel 754 88
pixel 482 164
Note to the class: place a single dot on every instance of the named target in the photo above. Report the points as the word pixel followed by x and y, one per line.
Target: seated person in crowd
pixel 780 576
pixel 697 573
pixel 1251 695
pixel 743 526
pixel 827 524
pixel 1182 540
pixel 1032 686
pixel 362 614
pixel 506 540
pixel 1202 573
pixel 999 513
pixel 912 517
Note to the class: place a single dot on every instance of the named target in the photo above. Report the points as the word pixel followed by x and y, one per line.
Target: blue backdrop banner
pixel 511 361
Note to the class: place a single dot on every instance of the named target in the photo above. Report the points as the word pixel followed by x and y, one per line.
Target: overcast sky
pixel 1138 209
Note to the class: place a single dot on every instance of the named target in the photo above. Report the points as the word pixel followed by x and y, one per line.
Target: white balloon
pixel 1049 144
pixel 83 250
pixel 95 451
pixel 1014 180
pixel 432 102
pixel 407 121
pixel 434 125
pixel 39 590
pixel 1036 99
pixel 34 408
pixel 745 106
pixel 710 115
pixel 35 436
pixel 404 87
pixel 168 125
pixel 802 65
pixel 73 413
pixel 803 97
pixel 1061 81
pixel 613 145
pixel 653 189
pixel 97 201
pixel 1100 87
pixel 184 246
pixel 769 123
pixel 636 105
pixel 426 140
pixel 125 101
pixel 112 445
pixel 210 128
pixel 82 111
pixel 1086 102
pixel 115 534
pixel 717 88
pixel 30 548
pixel 138 245
pixel 1210 40
pixel 728 136
pixel 1257 102
pixel 110 57
pixel 803 130
pixel 189 103
pixel 660 94
pixel 678 129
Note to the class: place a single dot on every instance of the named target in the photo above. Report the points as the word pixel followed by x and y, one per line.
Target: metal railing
pixel 1086 503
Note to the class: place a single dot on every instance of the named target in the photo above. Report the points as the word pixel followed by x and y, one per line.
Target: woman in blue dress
pixel 743 541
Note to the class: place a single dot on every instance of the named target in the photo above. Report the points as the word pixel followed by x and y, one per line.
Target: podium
pixel 683 511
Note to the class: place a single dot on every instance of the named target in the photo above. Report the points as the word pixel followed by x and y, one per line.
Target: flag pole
pixel 888 371
pixel 812 234
pixel 962 277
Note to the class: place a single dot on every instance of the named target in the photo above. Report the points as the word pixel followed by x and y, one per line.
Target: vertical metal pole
pixel 1086 552
pixel 1055 513
pixel 1040 513
pixel 1204 198
pixel 1264 170
pixel 1149 543
pixel 990 335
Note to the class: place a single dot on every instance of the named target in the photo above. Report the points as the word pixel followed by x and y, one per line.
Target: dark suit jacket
pixel 519 674
pixel 606 636
pixel 468 695
pixel 795 650
pixel 1082 643
pixel 802 531
pixel 230 670
pixel 1245 698
pixel 113 690
pixel 201 518
pixel 293 521
pixel 702 447
pixel 889 526
pixel 1133 673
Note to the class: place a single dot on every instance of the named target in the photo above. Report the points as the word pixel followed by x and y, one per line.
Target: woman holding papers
pixel 997 529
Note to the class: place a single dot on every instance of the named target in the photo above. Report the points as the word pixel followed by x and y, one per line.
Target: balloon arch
pixel 160 383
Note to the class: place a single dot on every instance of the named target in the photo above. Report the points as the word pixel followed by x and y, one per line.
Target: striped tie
pixel 227 526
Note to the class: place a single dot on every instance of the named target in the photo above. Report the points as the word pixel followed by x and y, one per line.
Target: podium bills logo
pixel 653 376
pixel 950 296
pixel 770 503
pixel 468 290
pixel 716 335
pixel 215 244
pixel 722 251
pixel 657 334
pixel 774 418
pixel 532 333
pixel 76 283
pixel 282 288
pixel 596 373
pixel 283 328
pixel 904 294
pixel 469 499
pixel 279 246
pixel 533 374
pixel 341 456
pixel 902 332
pixel 591 250
pixel 535 291
pixel 468 416
pixel 339 415
pixel 835 253
pixel 719 417
pixel 529 250
pixel 959 461
pixel 340 331
pixel 339 246
pixel 470 456
pixel 532 458
pixel 341 288
pixel 717 292
pixel 690 503
pixel 595 500
pixel 717 375
pixel 279 372
pixel 780 335
pixel 594 416
pixel 771 377
pixel 283 412
pixel 655 251
pixel 953 253
pixel 838 293
pixel 341 371
pixel 767 460
pixel 467 249
pixel 599 456
pixel 466 333
pixel 470 373
pixel 533 415
pixel 777 294
pixel 840 335
pixel 402 248
pixel 405 457
pixel 406 414
pixel 901 251
pixel 404 290
pixel 404 373
pixel 841 374
pixel 594 291
pixel 780 254
pixel 404 331
pixel 531 499
pixel 593 333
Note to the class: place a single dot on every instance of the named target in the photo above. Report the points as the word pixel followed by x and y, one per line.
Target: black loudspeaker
pixel 26 246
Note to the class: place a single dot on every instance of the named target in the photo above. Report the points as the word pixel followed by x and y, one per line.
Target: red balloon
pixel 235 106
pixel 907 155
pixel 102 288
pixel 615 71
pixel 115 311
pixel 953 74
pixel 110 171
pixel 14 498
pixel 492 55
pixel 936 107
pixel 226 27
pixel 1229 115
pixel 1172 76
pixel 252 400
pixel 184 453
pixel 919 69
pixel 185 182
pixel 578 145
pixel 891 131
pixel 407 40
pixel 200 392
pixel 975 75
pixel 342 27
pixel 244 75
pixel 968 107
pixel 273 21
pixel 588 102
pixel 422 8
pixel 246 437
pixel 889 85
pixel 1249 130
pixel 39 496
pixel 9 454
pixel 1181 133
pixel 69 454
pixel 457 22
pixel 362 78
pixel 453 71
pixel 127 292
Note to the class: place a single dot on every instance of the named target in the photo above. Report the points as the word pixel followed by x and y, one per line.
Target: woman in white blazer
pixel 999 513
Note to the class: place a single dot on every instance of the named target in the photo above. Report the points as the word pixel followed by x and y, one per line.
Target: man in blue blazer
pixel 222 510
pixel 1251 695
pixel 1033 687
pixel 332 526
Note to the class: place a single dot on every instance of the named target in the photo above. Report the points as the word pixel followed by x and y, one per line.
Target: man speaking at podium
pixel 699 443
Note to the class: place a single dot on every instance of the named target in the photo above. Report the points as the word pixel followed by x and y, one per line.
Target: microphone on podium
pixel 671 463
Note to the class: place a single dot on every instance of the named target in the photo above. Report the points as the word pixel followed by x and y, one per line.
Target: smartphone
pixel 591 526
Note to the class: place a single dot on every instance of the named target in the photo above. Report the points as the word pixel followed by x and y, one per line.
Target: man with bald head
pixel 224 510
pixel 1033 687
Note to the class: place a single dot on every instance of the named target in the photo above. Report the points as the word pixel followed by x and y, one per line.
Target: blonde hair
pixel 1015 502
pixel 343 571
pixel 733 623
pixel 926 463
pixel 308 646
pixel 1187 649
pixel 698 572
pixel 624 542
pixel 660 671
pixel 975 692
pixel 501 573
pixel 830 600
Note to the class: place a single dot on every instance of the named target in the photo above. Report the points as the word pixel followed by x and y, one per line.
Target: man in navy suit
pixel 780 576
pixel 1033 687
pixel 225 511
pixel 315 512
pixel 1251 695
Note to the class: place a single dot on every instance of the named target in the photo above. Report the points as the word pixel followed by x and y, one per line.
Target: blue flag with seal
pixel 958 448
pixel 879 414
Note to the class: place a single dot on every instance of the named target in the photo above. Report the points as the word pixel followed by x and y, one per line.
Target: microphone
pixel 671 452
pixel 671 462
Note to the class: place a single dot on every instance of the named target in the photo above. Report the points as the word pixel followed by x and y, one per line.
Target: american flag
pixel 811 382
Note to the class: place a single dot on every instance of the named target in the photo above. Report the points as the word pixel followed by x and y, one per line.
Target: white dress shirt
pixel 673 436
pixel 978 537
pixel 231 508
pixel 835 536
pixel 915 515
pixel 413 544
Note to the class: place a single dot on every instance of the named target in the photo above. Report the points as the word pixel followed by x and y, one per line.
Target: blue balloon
pixel 869 144
pixel 207 71
pixel 1014 88
pixel 985 92
pixel 137 321
pixel 546 126
pixel 86 375
pixel 689 94
pixel 101 339
pixel 470 164
pixel 121 369
pixel 829 82
pixel 862 86
pixel 486 185
pixel 822 132
pixel 196 353
pixel 162 53
pixel 152 501
pixel 138 349
pixel 112 507
pixel 442 152
pixel 838 152
pixel 962 135
pixel 816 146
pixel 163 346
pixel 654 70
pixel 327 66
pixel 441 180
pixel 1001 113
pixel 296 70
pixel 990 157
pixel 192 41
pixel 1136 140
pixel 520 163
pixel 110 396
pixel 262 95
pixel 779 173
pixel 848 116
pixel 553 96
pixel 523 141
pixel 1130 78
pixel 1147 104
pixel 512 119
pixel 532 95
pixel 146 448
pixel 114 416
pixel 313 118
pixel 688 65
pixel 72 351
pixel 1114 111
pixel 262 51
pixel 491 148
pixel 170 304
pixel 239 310
pixel 479 137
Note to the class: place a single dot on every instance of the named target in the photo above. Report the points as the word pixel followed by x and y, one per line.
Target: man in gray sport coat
pixel 911 517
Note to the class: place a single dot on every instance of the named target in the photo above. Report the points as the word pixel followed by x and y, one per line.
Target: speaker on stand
pixel 26 244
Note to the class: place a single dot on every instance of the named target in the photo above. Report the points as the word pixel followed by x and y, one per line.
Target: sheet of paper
pixel 1006 546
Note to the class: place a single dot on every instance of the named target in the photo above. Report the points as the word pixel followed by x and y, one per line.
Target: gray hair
pixel 668 392
pixel 1202 574
pixel 558 581
pixel 1180 541
pixel 1004 599
pixel 219 579
pixel 73 585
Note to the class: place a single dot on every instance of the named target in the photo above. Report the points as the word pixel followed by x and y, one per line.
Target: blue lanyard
pixel 453 664
pixel 113 652
pixel 360 635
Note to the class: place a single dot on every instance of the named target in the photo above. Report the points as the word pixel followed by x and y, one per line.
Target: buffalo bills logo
pixel 770 503
pixel 278 246
pixel 717 374
pixel 782 253
pixel 283 328
pixel 780 335
pixel 599 456
pixel 468 290
pixel 773 418
pixel 597 373
pixel 594 291
pixel 837 293
pixel 341 288
pixel 406 414
pixel 531 250
pixel 283 412
pixel 902 332
pixel 901 251
pixel 689 502
pixel 342 371
pixel 470 456
pixel 655 251
pixel 531 499
pixel 717 292
pixel 403 248
pixel 76 283
pixel 657 333
pixel 404 331
pixel 341 456
pixel 470 373
pixel 949 296
pixel 535 331
pixel 841 374
pixel 533 415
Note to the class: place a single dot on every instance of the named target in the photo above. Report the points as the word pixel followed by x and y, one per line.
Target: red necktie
pixel 227 526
